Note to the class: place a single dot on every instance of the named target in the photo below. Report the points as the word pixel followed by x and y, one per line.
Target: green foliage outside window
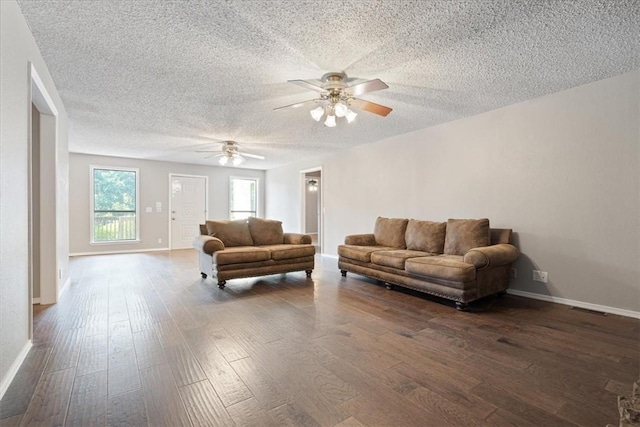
pixel 114 195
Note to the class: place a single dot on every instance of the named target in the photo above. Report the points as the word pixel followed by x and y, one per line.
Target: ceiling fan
pixel 230 152
pixel 336 96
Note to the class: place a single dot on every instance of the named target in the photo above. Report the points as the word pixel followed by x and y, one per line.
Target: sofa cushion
pixel 390 232
pixel 465 234
pixel 425 236
pixel 240 254
pixel 280 252
pixel 360 253
pixel 447 267
pixel 395 258
pixel 266 231
pixel 232 233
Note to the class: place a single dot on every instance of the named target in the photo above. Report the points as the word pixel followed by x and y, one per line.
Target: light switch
pixel 149 210
pixel 158 206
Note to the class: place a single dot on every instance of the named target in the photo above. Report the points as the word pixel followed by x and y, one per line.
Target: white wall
pixel 562 171
pixel 17 49
pixel 154 187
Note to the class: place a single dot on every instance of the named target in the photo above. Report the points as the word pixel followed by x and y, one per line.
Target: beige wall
pixel 562 171
pixel 17 49
pixel 154 187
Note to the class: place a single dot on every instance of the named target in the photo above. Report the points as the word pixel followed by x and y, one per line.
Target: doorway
pixel 188 208
pixel 312 206
pixel 44 272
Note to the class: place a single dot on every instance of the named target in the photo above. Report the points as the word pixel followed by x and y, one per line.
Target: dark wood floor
pixel 140 339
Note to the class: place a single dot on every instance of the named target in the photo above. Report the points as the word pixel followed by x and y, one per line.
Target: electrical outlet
pixel 514 273
pixel 159 240
pixel 540 276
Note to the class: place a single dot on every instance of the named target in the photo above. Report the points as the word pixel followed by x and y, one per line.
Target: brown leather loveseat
pixel 461 259
pixel 249 248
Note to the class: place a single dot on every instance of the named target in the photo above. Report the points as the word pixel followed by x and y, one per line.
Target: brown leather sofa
pixel 249 248
pixel 461 260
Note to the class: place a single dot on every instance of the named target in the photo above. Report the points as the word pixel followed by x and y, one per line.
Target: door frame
pixel 303 203
pixel 170 207
pixel 39 97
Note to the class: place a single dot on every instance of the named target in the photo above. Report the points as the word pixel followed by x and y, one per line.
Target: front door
pixel 188 209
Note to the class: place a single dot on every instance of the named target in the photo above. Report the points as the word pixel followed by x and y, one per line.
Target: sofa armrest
pixel 360 240
pixel 297 239
pixel 208 244
pixel 492 256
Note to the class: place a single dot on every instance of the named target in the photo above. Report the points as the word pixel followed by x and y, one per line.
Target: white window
pixel 114 205
pixel 243 198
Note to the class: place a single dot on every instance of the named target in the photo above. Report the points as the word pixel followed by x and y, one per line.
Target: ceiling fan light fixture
pixel 331 121
pixel 340 109
pixel 223 160
pixel 317 113
pixel 350 115
pixel 237 160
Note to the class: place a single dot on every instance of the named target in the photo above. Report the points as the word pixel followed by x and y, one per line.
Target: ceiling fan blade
pixel 371 107
pixel 364 87
pixel 308 85
pixel 296 105
pixel 214 156
pixel 207 151
pixel 253 156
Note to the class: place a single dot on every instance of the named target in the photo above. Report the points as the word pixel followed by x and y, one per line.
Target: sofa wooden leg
pixel 308 273
pixel 389 286
pixel 221 283
pixel 344 273
pixel 501 293
pixel 462 306
pixel 204 275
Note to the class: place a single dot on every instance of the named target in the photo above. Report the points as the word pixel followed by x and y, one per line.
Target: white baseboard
pixel 35 301
pixel 13 370
pixel 574 303
pixel 119 252
pixel 329 256
pixel 64 287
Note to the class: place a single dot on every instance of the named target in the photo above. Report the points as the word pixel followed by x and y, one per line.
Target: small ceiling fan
pixel 336 96
pixel 230 152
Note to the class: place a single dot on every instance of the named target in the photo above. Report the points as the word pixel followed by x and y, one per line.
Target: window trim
pixel 92 168
pixel 252 178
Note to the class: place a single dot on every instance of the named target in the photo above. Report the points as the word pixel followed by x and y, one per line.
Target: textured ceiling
pixel 161 79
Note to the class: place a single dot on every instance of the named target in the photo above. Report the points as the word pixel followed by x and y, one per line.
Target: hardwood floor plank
pixel 66 350
pixel 17 397
pixel 224 379
pixel 123 375
pixel 94 354
pixel 88 406
pixel 127 410
pixel 13 421
pixel 161 398
pixel 227 345
pixel 263 387
pixel 169 334
pixel 50 399
pixel 184 365
pixel 149 351
pixel 204 406
pixel 516 405
pixel 292 415
pixel 249 413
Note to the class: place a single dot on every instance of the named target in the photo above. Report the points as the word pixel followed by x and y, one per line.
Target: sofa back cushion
pixel 232 233
pixel 465 234
pixel 390 232
pixel 425 236
pixel 266 231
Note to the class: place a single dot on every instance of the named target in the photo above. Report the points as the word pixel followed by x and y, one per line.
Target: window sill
pixel 115 242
